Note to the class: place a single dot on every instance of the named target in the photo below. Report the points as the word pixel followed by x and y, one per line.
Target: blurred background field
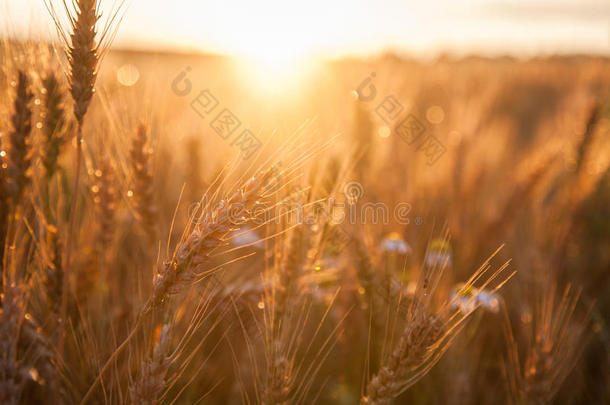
pixel 522 161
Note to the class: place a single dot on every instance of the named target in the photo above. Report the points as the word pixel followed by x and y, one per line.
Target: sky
pixel 285 29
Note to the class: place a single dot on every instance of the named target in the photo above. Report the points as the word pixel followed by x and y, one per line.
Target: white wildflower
pixel 438 254
pixel 467 299
pixel 489 301
pixel 393 243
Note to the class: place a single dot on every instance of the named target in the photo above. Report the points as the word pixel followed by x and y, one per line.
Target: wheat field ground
pixel 177 229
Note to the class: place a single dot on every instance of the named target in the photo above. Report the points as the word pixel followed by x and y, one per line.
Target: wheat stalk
pixel 83 58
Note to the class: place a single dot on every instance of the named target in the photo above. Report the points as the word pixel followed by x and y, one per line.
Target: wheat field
pixel 382 230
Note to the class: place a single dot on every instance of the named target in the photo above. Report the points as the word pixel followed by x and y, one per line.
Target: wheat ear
pixel 554 349
pixel 54 278
pixel 192 252
pixel 587 140
pixel 207 235
pixel 143 192
pixel 53 123
pixel 4 214
pixel 289 274
pixel 279 378
pixel 147 388
pixel 421 333
pixel 14 173
pixel 83 56
pixel 104 197
pixel 427 334
pixel 12 373
pixel 40 355
pixel 20 151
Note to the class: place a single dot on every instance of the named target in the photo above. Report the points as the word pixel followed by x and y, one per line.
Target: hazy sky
pixel 255 27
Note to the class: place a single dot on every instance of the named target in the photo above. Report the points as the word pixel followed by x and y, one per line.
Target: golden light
pixel 274 74
pixel 274 54
pixel 435 114
pixel 274 64
pixel 384 131
pixel 128 75
pixel 273 42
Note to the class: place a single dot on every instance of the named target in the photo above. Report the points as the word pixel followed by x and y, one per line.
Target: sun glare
pixel 274 42
pixel 275 70
pixel 276 59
